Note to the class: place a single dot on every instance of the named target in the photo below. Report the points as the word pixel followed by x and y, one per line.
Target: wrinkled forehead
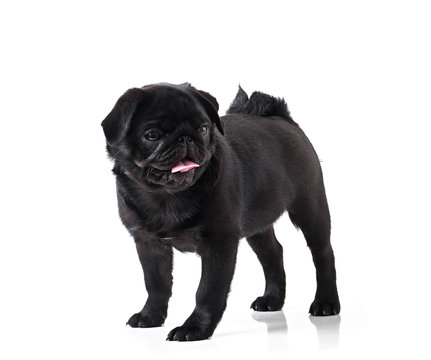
pixel 170 100
pixel 169 106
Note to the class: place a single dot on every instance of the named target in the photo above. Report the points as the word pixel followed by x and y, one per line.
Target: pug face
pixel 163 136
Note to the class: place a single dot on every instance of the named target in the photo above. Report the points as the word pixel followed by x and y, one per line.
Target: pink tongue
pixel 184 166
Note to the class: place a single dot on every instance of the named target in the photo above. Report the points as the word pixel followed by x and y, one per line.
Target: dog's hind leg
pixel 313 218
pixel 270 254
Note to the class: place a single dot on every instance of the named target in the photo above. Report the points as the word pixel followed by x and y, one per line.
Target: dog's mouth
pixel 180 175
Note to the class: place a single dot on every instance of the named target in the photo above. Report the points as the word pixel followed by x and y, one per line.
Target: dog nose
pixel 184 138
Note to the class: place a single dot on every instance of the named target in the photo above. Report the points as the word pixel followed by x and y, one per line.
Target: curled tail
pixel 259 104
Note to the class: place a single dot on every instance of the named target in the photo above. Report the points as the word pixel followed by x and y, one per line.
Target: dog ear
pixel 117 123
pixel 211 106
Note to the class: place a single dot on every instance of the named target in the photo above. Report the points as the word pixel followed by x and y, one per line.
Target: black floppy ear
pixel 210 104
pixel 117 123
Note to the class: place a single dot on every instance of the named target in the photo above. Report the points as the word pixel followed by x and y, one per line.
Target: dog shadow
pixel 275 321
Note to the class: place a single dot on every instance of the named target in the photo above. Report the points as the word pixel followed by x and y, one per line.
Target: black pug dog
pixel 189 180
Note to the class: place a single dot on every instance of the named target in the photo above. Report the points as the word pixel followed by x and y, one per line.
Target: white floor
pixel 79 311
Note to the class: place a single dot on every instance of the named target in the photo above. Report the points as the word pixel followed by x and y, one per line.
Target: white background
pixel 356 76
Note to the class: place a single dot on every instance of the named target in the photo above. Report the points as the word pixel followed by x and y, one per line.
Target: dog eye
pixel 153 135
pixel 203 129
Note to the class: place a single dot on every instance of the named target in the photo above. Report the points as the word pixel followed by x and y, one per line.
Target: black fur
pixel 259 104
pixel 262 167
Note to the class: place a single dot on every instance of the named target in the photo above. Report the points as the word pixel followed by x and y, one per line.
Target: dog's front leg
pixel 218 264
pixel 156 260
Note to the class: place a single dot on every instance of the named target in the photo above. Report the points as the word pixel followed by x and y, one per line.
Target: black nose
pixel 183 138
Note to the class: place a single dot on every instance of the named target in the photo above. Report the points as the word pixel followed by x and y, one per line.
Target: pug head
pixel 163 136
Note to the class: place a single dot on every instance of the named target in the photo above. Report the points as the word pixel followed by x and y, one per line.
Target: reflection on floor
pixel 327 328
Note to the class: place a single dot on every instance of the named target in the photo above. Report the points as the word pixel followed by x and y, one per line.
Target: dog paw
pixel 267 303
pixel 188 333
pixel 324 308
pixel 144 321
